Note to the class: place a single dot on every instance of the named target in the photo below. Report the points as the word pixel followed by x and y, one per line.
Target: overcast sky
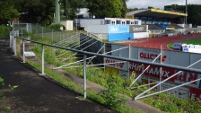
pixel 158 3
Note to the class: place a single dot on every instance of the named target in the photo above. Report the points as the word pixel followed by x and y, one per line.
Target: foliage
pixel 111 95
pixel 71 7
pixel 55 27
pixel 40 11
pixel 193 13
pixel 4 108
pixel 4 31
pixel 107 8
pixel 7 11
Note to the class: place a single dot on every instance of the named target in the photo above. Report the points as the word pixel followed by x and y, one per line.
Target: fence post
pixel 85 88
pixel 42 59
pixel 42 32
pixel 52 36
pixel 23 50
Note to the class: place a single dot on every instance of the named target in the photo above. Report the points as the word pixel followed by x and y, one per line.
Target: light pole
pixel 186 12
pixel 57 11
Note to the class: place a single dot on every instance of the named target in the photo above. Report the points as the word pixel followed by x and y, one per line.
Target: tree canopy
pixel 107 8
pixel 42 11
pixel 7 11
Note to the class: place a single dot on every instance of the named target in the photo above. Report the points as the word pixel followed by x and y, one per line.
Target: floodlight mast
pixel 57 12
pixel 186 11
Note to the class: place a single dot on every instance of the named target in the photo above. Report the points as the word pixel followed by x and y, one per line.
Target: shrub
pixel 4 31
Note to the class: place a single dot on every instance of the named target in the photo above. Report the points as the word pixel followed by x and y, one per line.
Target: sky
pixel 158 3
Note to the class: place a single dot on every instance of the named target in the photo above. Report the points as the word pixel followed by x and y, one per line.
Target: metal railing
pixel 85 53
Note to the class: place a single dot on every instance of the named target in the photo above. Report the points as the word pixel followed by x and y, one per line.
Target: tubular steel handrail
pixel 119 58
pixel 85 53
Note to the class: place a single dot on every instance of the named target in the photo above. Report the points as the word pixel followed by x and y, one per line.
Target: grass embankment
pixel 196 41
pixel 164 102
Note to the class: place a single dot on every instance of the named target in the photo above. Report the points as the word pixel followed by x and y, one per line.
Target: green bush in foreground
pixel 4 31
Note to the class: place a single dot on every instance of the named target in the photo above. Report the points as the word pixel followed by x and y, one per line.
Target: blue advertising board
pixel 120 36
pixel 177 45
pixel 118 29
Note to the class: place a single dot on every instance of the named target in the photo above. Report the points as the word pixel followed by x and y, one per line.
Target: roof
pixel 157 13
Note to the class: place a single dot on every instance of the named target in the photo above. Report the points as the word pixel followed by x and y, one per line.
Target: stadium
pixel 144 35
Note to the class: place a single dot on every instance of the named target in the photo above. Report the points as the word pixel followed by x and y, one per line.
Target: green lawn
pixel 196 41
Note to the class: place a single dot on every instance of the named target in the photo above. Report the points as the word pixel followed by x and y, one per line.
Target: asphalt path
pixel 35 93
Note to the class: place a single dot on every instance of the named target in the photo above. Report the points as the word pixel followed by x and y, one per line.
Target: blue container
pixel 120 36
pixel 118 29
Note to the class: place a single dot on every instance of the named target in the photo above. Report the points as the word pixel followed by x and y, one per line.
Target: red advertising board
pixel 154 71
pixel 194 93
pixel 122 65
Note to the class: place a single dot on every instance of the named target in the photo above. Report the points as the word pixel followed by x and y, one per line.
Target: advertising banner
pixel 118 29
pixel 155 72
pixel 150 54
pixel 195 94
pixel 121 65
pixel 138 28
pixel 120 36
pixel 177 45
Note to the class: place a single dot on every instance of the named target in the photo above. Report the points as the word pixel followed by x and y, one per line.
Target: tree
pixel 71 7
pixel 7 11
pixel 194 14
pixel 107 8
pixel 37 11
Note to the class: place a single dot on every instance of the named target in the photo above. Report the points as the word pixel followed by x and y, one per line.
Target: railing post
pixel 14 47
pixel 161 69
pixel 85 88
pixel 129 56
pixel 23 50
pixel 42 59
pixel 104 51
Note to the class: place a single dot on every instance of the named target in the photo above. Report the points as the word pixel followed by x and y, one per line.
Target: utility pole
pixel 57 12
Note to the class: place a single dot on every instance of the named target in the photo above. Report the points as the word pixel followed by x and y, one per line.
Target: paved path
pixel 36 94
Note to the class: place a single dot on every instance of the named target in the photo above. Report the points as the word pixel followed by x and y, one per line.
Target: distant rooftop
pixel 157 13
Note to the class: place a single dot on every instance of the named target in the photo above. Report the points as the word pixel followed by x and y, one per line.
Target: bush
pixel 55 27
pixel 4 31
pixel 111 95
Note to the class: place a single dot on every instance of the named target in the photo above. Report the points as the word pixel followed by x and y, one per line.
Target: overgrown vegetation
pixel 4 31
pixel 55 27
pixel 5 108
pixel 114 84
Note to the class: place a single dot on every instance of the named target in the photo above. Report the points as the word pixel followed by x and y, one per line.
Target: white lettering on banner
pixel 116 64
pixel 186 77
pixel 154 71
pixel 151 56
pixel 138 28
pixel 114 29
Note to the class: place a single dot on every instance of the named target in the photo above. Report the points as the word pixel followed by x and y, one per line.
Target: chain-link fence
pixel 44 32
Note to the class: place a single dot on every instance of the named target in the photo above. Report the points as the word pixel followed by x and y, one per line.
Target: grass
pixel 196 41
